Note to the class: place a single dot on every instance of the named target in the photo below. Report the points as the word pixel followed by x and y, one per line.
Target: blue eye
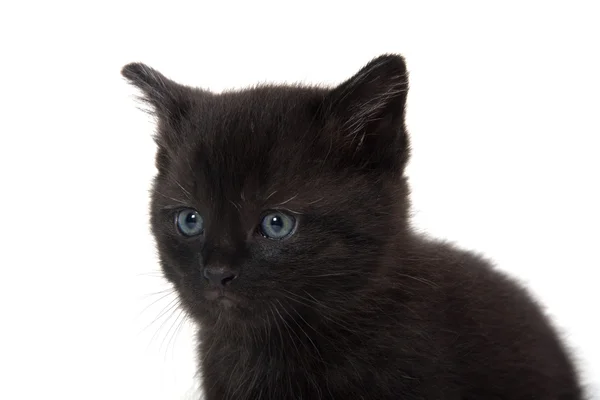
pixel 277 225
pixel 189 222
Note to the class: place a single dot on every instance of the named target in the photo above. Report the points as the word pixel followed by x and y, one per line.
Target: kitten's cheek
pixel 172 271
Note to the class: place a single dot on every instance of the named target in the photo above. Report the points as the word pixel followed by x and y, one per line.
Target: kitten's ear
pixel 169 101
pixel 367 112
pixel 162 94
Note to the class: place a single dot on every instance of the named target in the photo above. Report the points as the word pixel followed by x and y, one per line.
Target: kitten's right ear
pixel 162 94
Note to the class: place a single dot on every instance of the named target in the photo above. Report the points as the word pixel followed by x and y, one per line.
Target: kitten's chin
pixel 222 298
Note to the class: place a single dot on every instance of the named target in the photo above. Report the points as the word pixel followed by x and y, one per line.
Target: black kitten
pixel 281 217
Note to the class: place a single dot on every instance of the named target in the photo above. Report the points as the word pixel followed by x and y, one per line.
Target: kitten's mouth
pixel 222 297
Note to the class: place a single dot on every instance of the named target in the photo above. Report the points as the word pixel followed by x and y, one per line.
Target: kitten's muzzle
pixel 219 276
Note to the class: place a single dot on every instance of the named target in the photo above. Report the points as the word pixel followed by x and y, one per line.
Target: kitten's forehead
pixel 249 140
pixel 266 109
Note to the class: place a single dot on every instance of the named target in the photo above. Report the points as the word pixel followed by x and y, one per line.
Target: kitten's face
pixel 276 199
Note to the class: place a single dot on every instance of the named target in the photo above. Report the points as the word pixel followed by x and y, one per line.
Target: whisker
pixel 237 206
pixel 325 275
pixel 288 200
pixel 269 196
pixel 171 291
pixel 295 212
pixel 155 274
pixel 172 198
pixel 303 331
pixel 289 330
pixel 182 188
pixel 315 201
pixel 276 325
pixel 169 307
pixel 176 323
pixel 171 310
pixel 329 317
pixel 418 279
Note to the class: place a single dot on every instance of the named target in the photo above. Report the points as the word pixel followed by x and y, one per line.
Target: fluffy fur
pixel 354 305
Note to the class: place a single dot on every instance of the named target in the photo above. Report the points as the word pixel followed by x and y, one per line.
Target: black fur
pixel 354 305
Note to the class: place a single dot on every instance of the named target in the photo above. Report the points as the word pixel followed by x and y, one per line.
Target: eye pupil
pixel 191 219
pixel 276 223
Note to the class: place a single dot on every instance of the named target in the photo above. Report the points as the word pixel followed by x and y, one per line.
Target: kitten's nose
pixel 219 276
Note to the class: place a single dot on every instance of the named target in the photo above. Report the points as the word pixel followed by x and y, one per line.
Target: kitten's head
pixel 277 197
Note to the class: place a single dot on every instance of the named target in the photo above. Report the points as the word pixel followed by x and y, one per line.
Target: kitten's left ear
pixel 367 112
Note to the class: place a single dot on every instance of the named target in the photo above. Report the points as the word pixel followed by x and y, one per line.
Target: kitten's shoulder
pixel 454 275
pixel 442 260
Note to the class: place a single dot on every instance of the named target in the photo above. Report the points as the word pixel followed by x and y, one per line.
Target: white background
pixel 503 112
